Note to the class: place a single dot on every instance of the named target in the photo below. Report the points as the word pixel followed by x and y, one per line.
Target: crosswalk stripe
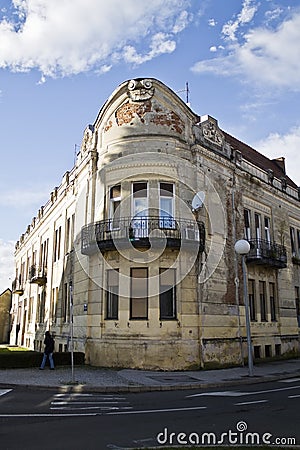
pixel 4 391
pixel 76 402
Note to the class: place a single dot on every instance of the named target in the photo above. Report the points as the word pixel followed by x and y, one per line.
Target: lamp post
pixel 242 247
pixel 71 329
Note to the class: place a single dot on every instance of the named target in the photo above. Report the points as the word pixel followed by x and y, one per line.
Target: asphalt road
pixel 265 413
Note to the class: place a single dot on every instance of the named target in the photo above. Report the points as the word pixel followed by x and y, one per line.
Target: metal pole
pixel 71 331
pixel 248 329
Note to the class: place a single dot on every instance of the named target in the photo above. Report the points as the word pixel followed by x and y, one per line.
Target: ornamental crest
pixel 140 90
pixel 212 133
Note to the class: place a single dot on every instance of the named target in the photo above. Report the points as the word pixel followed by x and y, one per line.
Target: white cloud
pixel 7 249
pixel 62 37
pixel 159 44
pixel 230 29
pixel 273 14
pixel 181 22
pixel 267 57
pixel 213 49
pixel 212 22
pixel 287 145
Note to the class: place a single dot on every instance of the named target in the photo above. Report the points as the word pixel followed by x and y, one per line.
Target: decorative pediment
pixel 211 131
pixel 87 141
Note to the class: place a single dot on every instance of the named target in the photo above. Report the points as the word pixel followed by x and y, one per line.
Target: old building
pixel 5 305
pixel 137 243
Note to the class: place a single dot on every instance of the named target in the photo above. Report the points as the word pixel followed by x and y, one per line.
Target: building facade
pixel 5 305
pixel 135 248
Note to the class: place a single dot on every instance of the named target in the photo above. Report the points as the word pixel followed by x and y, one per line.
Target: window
pixel 45 255
pixel 293 242
pixel 65 303
pixel 112 294
pixel 297 299
pixel 139 293
pixel 140 209
pixel 268 351
pixel 256 349
pixel 277 349
pixel 114 206
pixel 30 309
pixel 166 205
pixel 247 224
pixel 251 293
pixel 167 294
pixel 263 306
pixel 257 220
pixel 257 226
pixel 272 302
pixel 140 199
pixel 298 243
pixel 267 229
pixel 54 297
pixel 41 307
pixel 57 239
pixel 68 235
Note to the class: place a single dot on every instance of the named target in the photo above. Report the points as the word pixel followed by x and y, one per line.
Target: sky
pixel 61 59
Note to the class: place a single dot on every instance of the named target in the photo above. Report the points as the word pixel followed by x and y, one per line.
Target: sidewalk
pixel 128 380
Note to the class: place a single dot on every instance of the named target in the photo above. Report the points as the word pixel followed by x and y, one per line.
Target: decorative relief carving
pixel 108 126
pixel 87 140
pixel 212 133
pixel 140 90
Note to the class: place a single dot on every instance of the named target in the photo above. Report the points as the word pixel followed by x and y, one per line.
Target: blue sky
pixel 61 59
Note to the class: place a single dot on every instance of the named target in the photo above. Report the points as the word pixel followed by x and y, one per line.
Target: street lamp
pixel 242 247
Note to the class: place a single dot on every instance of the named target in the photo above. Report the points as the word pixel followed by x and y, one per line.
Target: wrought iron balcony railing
pixel 267 253
pixel 37 275
pixel 17 286
pixel 140 232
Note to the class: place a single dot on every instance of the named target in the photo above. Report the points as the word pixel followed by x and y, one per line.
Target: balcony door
pixel 257 220
pixel 140 209
pixel 114 207
pixel 166 205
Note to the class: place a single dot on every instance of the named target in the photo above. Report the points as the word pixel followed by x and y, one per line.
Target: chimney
pixel 280 163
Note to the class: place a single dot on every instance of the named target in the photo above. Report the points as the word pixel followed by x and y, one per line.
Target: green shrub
pixel 21 359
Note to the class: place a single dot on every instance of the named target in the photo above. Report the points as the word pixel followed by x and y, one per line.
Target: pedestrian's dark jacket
pixel 49 344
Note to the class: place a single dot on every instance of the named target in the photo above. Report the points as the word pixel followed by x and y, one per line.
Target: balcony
pixel 17 287
pixel 37 276
pixel 141 232
pixel 267 253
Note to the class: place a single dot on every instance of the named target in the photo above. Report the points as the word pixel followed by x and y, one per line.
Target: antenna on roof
pixel 187 91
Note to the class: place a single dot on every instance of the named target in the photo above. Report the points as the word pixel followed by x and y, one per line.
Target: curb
pixel 156 388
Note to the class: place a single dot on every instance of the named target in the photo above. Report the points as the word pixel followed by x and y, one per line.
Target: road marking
pixel 289 380
pixel 219 394
pixel 48 415
pixel 251 403
pixel 101 408
pixel 237 394
pixel 83 403
pixel 76 402
pixel 4 391
pixel 149 411
pixel 293 396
